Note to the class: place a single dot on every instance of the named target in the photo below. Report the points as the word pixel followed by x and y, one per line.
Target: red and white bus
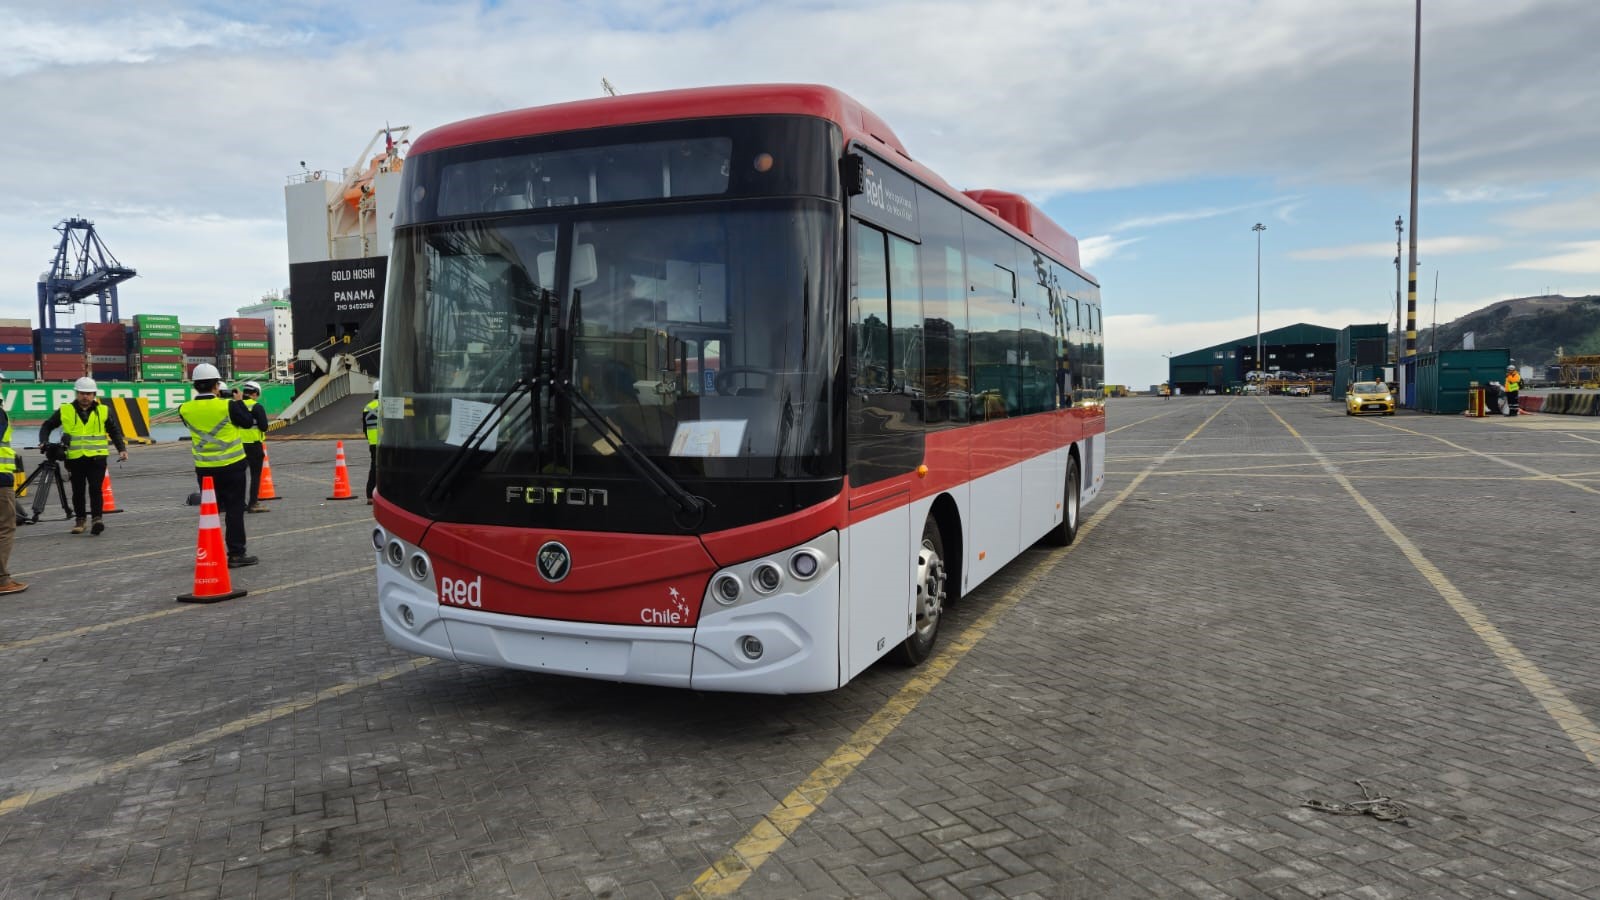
pixel 718 389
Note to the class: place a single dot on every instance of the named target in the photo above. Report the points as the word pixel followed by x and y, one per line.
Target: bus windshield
pixel 700 334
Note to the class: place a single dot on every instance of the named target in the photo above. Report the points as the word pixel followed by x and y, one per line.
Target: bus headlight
pixel 418 569
pixel 804 565
pixel 766 578
pixel 726 589
pixel 378 537
pixel 395 553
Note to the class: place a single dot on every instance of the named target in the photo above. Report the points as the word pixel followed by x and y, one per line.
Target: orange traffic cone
pixel 267 491
pixel 108 500
pixel 211 581
pixel 341 477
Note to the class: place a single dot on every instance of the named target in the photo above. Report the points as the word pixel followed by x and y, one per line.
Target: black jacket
pixel 113 429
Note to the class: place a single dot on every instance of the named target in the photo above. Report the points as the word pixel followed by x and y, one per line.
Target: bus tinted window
pixel 944 311
pixel 650 171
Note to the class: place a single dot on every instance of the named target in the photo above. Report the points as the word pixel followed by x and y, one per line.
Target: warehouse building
pixel 1300 349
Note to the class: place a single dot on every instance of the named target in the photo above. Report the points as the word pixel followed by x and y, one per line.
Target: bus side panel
pixel 876 601
pixel 1094 475
pixel 1043 476
pixel 995 534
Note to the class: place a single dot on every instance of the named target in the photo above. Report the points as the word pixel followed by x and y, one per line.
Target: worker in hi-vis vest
pixel 88 429
pixel 216 439
pixel 255 450
pixel 8 505
pixel 1513 390
pixel 369 423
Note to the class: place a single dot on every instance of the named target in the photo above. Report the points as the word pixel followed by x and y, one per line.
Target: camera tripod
pixel 44 475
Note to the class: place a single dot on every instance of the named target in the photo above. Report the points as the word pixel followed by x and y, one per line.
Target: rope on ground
pixel 1384 809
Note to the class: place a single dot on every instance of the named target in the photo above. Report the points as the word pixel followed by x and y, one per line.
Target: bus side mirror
pixel 853 174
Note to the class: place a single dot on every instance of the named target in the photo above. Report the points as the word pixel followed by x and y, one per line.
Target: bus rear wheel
pixel 929 584
pixel 1066 532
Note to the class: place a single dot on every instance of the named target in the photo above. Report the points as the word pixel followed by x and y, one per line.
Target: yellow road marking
pixel 1582 732
pixel 169 611
pixel 767 837
pixel 165 751
pixel 1141 421
pixel 1545 476
pixel 183 549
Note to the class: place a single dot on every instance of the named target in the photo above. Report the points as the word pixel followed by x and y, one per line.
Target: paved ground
pixel 1272 602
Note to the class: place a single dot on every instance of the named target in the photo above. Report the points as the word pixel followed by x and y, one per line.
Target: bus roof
pixel 857 123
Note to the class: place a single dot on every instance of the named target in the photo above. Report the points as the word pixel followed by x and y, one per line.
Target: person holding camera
pixel 216 422
pixel 8 505
pixel 88 429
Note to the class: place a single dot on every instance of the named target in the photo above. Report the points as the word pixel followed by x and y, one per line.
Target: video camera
pixel 55 451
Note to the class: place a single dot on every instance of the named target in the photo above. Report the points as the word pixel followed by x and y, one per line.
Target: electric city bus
pixel 718 389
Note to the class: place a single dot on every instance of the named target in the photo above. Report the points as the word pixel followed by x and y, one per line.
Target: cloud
pixel 1429 247
pixel 1488 193
pixel 1094 250
pixel 1209 212
pixel 1579 213
pixel 29 43
pixel 1581 258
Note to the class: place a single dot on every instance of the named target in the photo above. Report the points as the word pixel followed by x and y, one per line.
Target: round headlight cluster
pixel 418 567
pixel 378 537
pixel 395 553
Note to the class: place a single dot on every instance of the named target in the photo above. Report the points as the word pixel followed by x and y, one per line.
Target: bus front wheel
pixel 930 588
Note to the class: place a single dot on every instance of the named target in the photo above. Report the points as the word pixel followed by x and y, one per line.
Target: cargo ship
pixel 339 231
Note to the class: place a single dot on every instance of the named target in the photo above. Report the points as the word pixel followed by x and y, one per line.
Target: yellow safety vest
pixel 8 458
pixel 214 440
pixel 89 438
pixel 251 435
pixel 1513 382
pixel 369 420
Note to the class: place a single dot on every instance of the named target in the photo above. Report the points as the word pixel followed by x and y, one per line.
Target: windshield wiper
pixel 691 509
pixel 442 480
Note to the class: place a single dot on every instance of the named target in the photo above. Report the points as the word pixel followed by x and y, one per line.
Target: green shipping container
pixel 160 351
pixel 145 318
pixel 159 331
pixel 18 375
pixel 1443 377
pixel 249 345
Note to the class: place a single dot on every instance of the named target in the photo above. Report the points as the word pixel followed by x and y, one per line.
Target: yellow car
pixel 1368 397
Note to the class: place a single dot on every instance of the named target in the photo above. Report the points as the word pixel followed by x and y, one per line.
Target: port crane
pixel 83 271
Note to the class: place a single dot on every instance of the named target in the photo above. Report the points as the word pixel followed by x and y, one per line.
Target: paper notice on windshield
pixel 465 416
pixel 713 437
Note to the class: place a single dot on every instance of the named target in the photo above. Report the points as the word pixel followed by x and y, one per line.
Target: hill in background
pixel 1532 328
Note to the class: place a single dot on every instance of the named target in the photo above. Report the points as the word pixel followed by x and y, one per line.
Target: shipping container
pixel 1443 377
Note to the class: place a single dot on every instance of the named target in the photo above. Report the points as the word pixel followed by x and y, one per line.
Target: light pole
pixel 1399 335
pixel 1261 366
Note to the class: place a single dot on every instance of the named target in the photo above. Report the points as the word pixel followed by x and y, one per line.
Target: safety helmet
pixel 375 388
pixel 204 372
pixel 250 386
pixel 1511 368
pixel 86 385
pixel 222 386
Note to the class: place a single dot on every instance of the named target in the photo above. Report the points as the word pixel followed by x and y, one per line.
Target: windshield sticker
pixel 464 418
pixel 394 407
pixel 713 437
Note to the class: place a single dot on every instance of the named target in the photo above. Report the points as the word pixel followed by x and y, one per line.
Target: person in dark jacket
pixel 87 426
pixel 255 448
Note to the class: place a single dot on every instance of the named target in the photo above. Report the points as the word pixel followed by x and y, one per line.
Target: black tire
pixel 1067 532
pixel 929 584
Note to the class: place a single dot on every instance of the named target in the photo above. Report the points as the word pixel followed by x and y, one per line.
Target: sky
pixel 1158 133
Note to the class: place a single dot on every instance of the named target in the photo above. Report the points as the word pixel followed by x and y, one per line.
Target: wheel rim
pixel 930 589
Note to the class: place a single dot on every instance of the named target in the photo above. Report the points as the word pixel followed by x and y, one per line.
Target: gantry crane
pixel 83 271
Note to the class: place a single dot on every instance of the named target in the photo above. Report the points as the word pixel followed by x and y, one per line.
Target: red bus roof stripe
pixel 857 123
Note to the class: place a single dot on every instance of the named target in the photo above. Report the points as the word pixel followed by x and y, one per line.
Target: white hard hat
pixel 222 385
pixel 251 386
pixel 1511 368
pixel 375 386
pixel 204 372
pixel 86 384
